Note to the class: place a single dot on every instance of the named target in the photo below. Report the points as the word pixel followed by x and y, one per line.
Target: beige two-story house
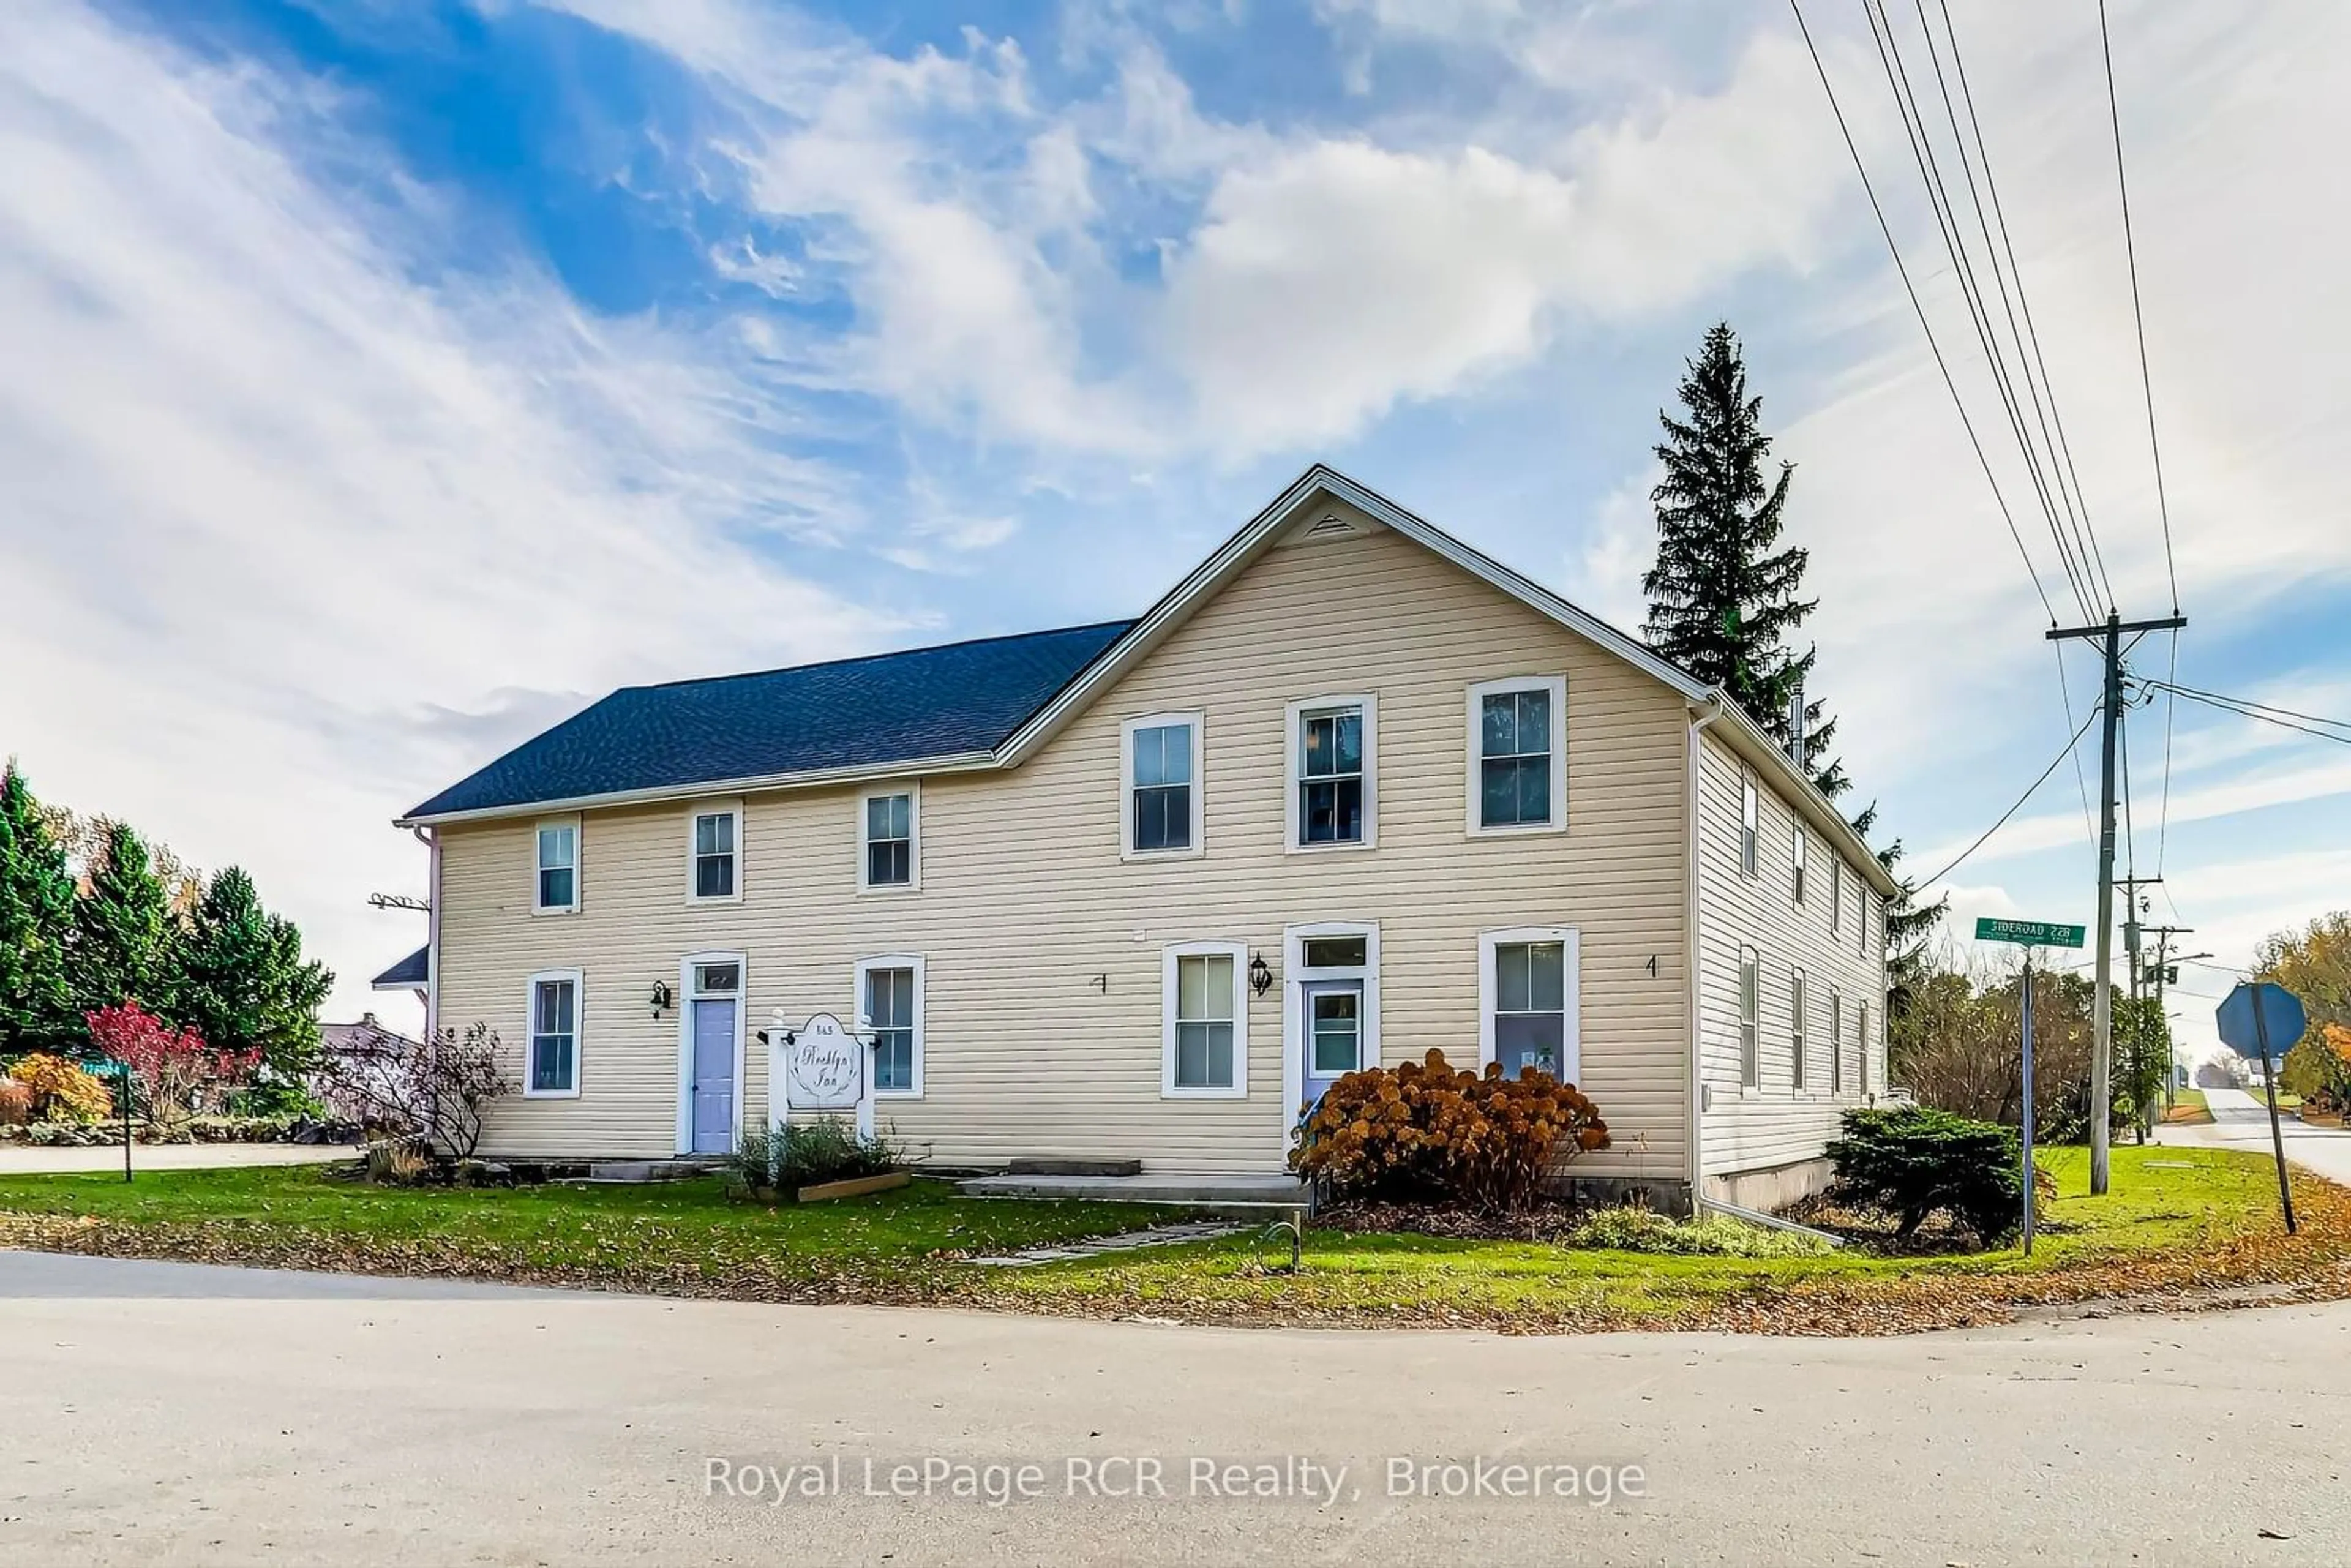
pixel 1140 890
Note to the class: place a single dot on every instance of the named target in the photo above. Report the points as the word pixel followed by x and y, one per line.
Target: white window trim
pixel 579 855
pixel 1555 687
pixel 700 809
pixel 1861 1032
pixel 912 790
pixel 1836 895
pixel 1750 1088
pixel 1749 867
pixel 1836 1040
pixel 865 1023
pixel 687 997
pixel 1570 1039
pixel 1168 969
pixel 579 1029
pixel 1292 779
pixel 1295 977
pixel 1198 846
pixel 1799 864
pixel 1799 986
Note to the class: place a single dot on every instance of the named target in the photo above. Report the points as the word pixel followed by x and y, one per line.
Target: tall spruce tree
pixel 37 898
pixel 122 926
pixel 1723 602
pixel 240 980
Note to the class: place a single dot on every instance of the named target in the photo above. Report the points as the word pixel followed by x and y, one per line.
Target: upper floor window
pixel 715 833
pixel 1332 786
pixel 890 999
pixel 1517 773
pixel 1796 848
pixel 1750 823
pixel 558 868
pixel 1862 909
pixel 554 1050
pixel 1836 895
pixel 889 856
pixel 1750 980
pixel 1161 761
pixel 1206 1022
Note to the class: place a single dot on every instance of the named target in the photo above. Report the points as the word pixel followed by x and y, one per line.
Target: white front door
pixel 1333 1017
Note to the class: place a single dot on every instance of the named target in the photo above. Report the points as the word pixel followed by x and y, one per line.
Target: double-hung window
pixel 1331 787
pixel 1864 1031
pixel 1837 894
pixel 1750 1065
pixel 1161 761
pixel 1836 1040
pixel 1796 1027
pixel 890 1000
pixel 1517 774
pixel 715 835
pixel 1205 1043
pixel 1796 848
pixel 556 870
pixel 553 1069
pixel 889 855
pixel 1530 1014
pixel 1751 810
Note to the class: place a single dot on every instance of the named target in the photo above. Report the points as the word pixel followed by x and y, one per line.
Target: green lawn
pixel 2172 1220
pixel 2176 1220
pixel 685 1235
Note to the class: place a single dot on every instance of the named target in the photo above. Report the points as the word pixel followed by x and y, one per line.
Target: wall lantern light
pixel 1260 978
pixel 661 997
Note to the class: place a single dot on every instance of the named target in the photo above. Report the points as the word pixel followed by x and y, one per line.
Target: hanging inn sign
pixel 820 1065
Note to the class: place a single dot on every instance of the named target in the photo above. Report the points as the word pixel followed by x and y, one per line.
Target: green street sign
pixel 2029 933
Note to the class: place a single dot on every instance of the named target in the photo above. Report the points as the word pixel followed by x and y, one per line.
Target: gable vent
pixel 1331 528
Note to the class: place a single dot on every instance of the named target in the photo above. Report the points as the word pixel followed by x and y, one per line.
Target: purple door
pixel 714 1076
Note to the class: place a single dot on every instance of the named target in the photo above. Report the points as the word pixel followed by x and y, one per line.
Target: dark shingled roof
pixel 413 971
pixel 851 713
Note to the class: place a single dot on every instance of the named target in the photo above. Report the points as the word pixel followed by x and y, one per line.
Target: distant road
pixel 2240 1120
pixel 24 1159
pixel 160 1413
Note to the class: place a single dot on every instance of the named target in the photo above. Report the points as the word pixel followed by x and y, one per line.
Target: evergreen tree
pixel 36 897
pixel 122 927
pixel 240 979
pixel 1722 601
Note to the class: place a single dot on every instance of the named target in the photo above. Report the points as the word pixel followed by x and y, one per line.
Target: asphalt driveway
pixel 2240 1120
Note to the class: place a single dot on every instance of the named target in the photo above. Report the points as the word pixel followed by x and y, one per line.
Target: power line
pixel 2065 690
pixel 1920 311
pixel 2249 702
pixel 2138 319
pixel 2063 447
pixel 2163 815
pixel 2012 811
pixel 2078 572
pixel 2254 710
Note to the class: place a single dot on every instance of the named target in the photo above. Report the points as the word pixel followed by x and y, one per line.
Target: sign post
pixel 2029 935
pixel 2247 1017
pixel 822 1065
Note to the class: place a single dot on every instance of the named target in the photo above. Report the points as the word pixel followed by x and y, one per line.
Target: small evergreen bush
pixel 1911 1161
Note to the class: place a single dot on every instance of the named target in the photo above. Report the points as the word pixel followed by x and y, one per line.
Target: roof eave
pixel 955 762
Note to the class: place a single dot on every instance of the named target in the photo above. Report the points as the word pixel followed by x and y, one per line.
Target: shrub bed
pixel 1910 1161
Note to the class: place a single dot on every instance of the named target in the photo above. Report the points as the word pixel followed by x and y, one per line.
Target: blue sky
pixel 387 380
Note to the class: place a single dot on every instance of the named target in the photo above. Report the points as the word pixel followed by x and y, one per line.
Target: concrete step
pixel 1053 1167
pixel 1242 1197
pixel 636 1172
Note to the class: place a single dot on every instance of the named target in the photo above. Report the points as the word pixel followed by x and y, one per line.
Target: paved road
pixel 2242 1122
pixel 22 1159
pixel 163 1414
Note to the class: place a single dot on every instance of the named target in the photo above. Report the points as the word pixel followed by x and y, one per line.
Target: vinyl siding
pixel 1042 1018
pixel 1776 1124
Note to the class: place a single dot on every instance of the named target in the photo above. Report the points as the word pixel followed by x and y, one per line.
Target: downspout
pixel 1701 715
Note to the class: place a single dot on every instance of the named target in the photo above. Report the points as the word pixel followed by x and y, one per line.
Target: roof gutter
pixel 817 778
pixel 1760 748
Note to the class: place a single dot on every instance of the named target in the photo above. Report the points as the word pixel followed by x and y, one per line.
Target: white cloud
pixel 293 538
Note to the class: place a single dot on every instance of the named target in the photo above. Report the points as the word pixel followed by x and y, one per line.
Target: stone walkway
pixel 1156 1236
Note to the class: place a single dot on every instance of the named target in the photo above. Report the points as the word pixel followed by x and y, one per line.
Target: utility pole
pixel 2161 973
pixel 2135 903
pixel 2110 638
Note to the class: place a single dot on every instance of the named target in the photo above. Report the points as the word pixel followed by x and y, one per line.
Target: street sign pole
pixel 2277 1135
pixel 2025 1009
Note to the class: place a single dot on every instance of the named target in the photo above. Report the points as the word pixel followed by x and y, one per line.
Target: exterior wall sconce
pixel 1260 978
pixel 661 997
